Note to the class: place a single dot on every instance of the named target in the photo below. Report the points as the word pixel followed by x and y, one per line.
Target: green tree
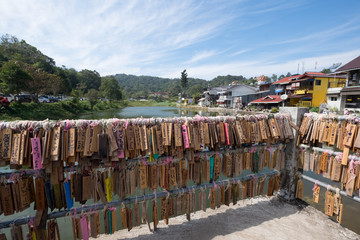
pixel 196 90
pixel 184 80
pixel 89 79
pixel 111 88
pixel 288 74
pixel 281 76
pixel 326 70
pixel 274 78
pixel 41 81
pixel 2 59
pixel 92 96
pixel 65 84
pixel 13 78
pixel 14 49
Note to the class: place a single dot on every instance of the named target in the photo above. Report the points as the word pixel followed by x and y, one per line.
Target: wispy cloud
pixel 157 37
pixel 136 33
pixel 260 67
pixel 274 6
pixel 200 56
pixel 240 52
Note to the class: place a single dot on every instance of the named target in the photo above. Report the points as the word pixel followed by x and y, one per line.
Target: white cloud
pixel 132 33
pixel 200 56
pixel 164 37
pixel 240 52
pixel 259 67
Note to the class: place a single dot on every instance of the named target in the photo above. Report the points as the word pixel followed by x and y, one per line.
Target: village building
pixel 347 96
pixel 307 90
pixel 209 97
pixel 232 96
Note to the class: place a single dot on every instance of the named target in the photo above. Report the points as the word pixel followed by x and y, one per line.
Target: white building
pixel 346 95
pixel 230 96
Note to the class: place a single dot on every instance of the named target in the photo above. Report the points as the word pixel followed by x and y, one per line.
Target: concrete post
pixel 288 185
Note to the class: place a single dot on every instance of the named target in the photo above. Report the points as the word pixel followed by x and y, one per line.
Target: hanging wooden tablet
pixel 15 196
pixel 164 211
pixel 15 149
pixel 6 143
pixel 155 215
pixel 3 236
pixel 143 138
pixel 136 214
pixel 299 189
pixel 24 193
pixel 329 204
pixel 271 184
pixel 327 174
pixel 222 132
pixel 350 184
pixel 339 218
pixel 124 217
pixel 55 144
pixel 86 191
pixel 143 177
pixel 137 137
pixel 7 204
pixel 94 147
pixel 316 194
pixel 243 187
pixel 100 192
pixel 23 148
pixel 217 166
pixel 261 186
pixel 341 135
pixel 187 205
pixel 212 198
pixel 16 232
pixel 178 135
pixel 222 192
pixel 324 162
pixel 154 176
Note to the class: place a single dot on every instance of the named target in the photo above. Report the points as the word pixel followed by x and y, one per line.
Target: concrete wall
pixel 288 185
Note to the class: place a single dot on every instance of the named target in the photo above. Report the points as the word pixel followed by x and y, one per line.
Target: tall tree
pixel 288 74
pixel 89 79
pixel 281 76
pixel 41 81
pixel 13 78
pixel 184 80
pixel 15 49
pixel 111 88
pixel 92 96
pixel 274 78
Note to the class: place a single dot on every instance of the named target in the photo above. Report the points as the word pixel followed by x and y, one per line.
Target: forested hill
pixel 135 86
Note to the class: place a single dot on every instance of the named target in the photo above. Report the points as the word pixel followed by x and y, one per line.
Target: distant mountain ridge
pixel 135 86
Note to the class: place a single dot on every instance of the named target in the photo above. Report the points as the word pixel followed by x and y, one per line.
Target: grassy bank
pixel 150 104
pixel 55 111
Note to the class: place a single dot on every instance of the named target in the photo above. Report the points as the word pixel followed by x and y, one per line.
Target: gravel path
pixel 260 218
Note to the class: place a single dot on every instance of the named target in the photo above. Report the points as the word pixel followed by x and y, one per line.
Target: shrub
pixel 274 110
pixel 314 109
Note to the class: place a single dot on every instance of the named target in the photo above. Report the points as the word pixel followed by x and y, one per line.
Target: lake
pixel 351 208
pixel 146 112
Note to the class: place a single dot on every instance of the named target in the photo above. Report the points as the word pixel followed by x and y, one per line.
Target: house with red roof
pixel 348 95
pixel 268 101
pixel 306 90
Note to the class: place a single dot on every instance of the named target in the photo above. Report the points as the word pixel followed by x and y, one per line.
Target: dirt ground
pixel 260 218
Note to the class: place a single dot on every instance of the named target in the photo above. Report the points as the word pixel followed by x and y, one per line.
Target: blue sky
pixel 208 38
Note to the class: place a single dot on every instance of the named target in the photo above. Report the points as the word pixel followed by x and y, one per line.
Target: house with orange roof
pixel 308 89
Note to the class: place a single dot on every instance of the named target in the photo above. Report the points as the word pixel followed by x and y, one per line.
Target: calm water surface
pixel 146 112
